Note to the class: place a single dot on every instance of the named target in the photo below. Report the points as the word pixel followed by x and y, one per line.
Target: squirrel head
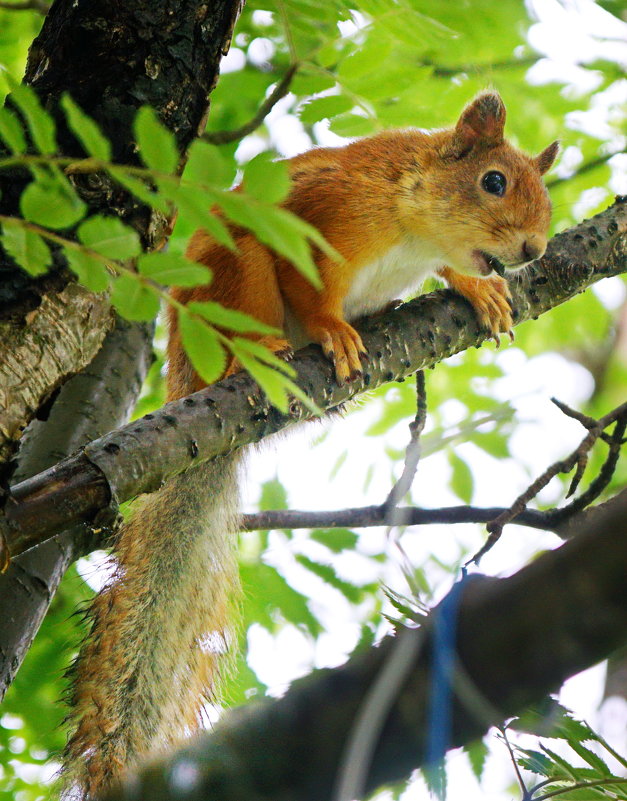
pixel 478 197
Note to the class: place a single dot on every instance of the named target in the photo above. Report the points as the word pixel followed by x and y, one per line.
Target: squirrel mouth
pixel 486 262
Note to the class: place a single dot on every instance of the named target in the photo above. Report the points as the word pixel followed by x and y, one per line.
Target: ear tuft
pixel 544 160
pixel 480 124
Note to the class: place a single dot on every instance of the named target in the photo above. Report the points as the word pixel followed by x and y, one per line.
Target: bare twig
pixel 413 452
pixel 615 441
pixel 578 458
pixel 279 91
pixel 370 516
pixel 442 71
pixel 519 778
pixel 587 166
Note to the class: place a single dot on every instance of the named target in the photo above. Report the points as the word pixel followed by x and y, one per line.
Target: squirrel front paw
pixel 490 298
pixel 341 344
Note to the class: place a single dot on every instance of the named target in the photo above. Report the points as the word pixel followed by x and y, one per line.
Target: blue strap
pixel 441 696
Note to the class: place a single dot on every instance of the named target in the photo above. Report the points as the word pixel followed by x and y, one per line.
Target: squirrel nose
pixel 532 250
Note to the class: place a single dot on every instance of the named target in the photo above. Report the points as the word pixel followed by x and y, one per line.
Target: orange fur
pixel 407 194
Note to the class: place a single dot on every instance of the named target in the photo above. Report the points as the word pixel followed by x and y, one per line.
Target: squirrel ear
pixel 481 123
pixel 544 160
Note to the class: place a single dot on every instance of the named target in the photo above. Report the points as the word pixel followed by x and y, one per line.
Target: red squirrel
pixel 459 202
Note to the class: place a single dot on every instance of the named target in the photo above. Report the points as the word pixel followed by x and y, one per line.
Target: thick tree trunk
pixel 96 400
pixel 112 56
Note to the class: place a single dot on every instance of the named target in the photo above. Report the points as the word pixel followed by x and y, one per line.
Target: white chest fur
pixel 396 274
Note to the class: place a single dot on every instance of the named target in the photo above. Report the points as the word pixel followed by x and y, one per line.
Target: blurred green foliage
pixel 362 66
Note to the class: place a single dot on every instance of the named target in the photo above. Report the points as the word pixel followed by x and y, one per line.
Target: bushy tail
pixel 160 628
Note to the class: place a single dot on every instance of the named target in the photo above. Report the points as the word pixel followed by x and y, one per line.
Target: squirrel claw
pixel 342 345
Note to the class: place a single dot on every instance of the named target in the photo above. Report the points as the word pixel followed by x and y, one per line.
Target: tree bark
pixel 112 56
pixel 518 639
pixel 96 400
pixel 140 457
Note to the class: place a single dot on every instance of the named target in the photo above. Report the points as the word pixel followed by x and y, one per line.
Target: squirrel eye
pixel 494 182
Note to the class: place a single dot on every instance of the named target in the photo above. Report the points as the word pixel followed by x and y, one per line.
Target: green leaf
pixel 561 766
pixel 86 130
pixel 172 269
pixel 207 166
pixel 40 123
pixel 477 752
pixel 157 146
pixel 91 272
pixel 133 299
pixel 324 108
pixel 269 591
pixel 110 237
pixel 493 443
pixel 51 201
pixel 310 82
pixel 364 60
pixel 273 495
pixel 336 539
pixel 594 760
pixel 272 382
pixel 462 482
pixel 231 319
pixel 266 179
pixel 139 188
pixel 11 131
pixel 327 573
pixel 352 125
pixel 279 229
pixel 535 762
pixel 193 204
pixel 202 346
pixel 339 463
pixel 436 779
pixel 28 249
pixel 263 354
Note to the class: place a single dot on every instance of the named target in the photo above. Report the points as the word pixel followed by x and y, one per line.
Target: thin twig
pixel 279 91
pixel 441 71
pixel 615 442
pixel 412 453
pixel 586 167
pixel 577 458
pixel 519 777
pixel 580 786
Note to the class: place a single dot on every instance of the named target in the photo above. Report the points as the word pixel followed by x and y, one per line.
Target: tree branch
pixel 579 459
pixel 279 91
pixel 573 598
pixel 225 416
pixel 369 516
